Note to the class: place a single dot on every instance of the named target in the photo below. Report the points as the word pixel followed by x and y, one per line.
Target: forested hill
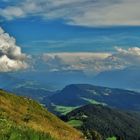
pixel 108 122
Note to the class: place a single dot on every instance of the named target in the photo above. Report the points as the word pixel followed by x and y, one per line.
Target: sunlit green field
pixel 75 123
pixel 63 110
pixel 112 138
pixel 91 101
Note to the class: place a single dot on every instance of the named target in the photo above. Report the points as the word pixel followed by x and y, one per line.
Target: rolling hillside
pixel 76 95
pixel 108 122
pixel 22 118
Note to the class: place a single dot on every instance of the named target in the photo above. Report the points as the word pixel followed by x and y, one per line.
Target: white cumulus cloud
pixel 11 57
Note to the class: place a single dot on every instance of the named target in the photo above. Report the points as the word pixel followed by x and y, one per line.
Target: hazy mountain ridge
pixel 76 95
pixel 127 78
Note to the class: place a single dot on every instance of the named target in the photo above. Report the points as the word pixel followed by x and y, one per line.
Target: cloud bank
pixel 77 12
pixel 92 63
pixel 11 57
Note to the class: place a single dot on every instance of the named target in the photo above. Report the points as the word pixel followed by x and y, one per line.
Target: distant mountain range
pixel 106 123
pixel 7 81
pixel 52 80
pixel 128 78
pixel 76 95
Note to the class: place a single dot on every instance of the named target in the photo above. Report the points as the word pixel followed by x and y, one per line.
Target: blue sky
pixel 68 26
pixel 101 35
pixel 36 36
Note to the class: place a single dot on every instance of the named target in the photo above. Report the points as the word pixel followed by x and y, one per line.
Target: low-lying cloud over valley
pixel 92 63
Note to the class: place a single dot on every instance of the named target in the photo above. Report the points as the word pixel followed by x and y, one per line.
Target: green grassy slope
pixel 11 131
pixel 22 118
